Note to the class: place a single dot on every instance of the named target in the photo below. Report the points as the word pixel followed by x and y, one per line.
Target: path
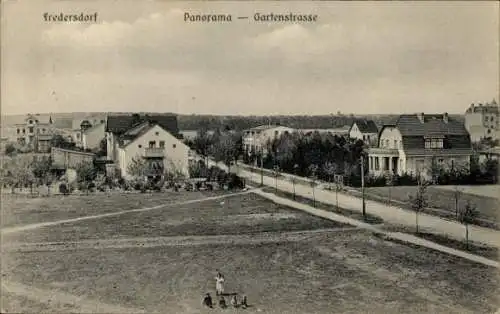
pixel 260 238
pixel 390 214
pixel 117 213
pixel 389 235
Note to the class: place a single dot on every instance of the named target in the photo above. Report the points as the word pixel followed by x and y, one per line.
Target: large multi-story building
pixel 415 142
pixel 255 139
pixel 35 133
pixel 481 121
pixel 153 139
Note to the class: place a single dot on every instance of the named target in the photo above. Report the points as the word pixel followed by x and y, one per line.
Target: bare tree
pixel 137 167
pixel 467 215
pixel 419 201
pixel 313 169
pixel 457 193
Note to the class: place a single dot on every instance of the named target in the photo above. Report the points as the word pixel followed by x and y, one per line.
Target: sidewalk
pixel 390 235
pixel 390 214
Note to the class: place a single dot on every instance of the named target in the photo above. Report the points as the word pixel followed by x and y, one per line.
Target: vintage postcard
pixel 251 156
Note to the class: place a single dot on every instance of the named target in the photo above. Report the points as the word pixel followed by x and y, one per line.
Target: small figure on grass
pixel 244 304
pixel 234 301
pixel 222 302
pixel 219 283
pixel 207 300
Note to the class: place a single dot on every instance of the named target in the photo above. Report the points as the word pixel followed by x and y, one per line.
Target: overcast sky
pixel 358 58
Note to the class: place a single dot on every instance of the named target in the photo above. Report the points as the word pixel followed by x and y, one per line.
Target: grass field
pixel 442 199
pixel 164 260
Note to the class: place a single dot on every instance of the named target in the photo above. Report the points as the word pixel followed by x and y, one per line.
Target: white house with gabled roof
pixel 152 143
pixel 255 139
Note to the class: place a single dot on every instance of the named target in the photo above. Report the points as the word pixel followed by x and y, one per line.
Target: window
pixel 18 131
pixel 152 144
pixel 162 144
pixel 140 146
pixel 30 129
pixel 31 122
pixel 434 143
pixel 43 130
pixel 157 133
pixel 77 135
pixel 489 131
pixel 174 145
pixel 276 133
pixel 24 131
pixel 368 138
pixel 395 144
pixel 440 161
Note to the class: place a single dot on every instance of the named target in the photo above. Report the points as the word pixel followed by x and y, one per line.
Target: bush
pixel 374 181
pixel 63 189
pixel 235 182
pixel 405 179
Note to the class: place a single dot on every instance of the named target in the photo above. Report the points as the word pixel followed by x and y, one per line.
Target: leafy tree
pixel 467 216
pixel 10 149
pixel 419 201
pixel 330 169
pixel 103 148
pixel 60 141
pixel 202 143
pixel 225 150
pixel 137 167
pixel 86 174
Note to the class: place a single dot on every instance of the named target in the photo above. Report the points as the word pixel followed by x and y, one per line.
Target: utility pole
pixel 363 186
pixel 261 167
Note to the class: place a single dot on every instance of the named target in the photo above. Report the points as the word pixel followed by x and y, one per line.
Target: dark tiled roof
pixel 135 132
pixel 410 125
pixel 414 132
pixel 366 126
pixel 119 124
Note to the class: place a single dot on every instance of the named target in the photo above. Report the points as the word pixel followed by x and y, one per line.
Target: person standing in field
pixel 219 284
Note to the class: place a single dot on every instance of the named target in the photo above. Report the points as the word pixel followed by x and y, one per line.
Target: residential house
pixel 365 130
pixel 481 121
pixel 255 139
pixel 417 141
pixel 154 139
pixel 35 132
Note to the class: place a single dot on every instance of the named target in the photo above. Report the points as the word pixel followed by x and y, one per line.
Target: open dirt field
pixel 164 260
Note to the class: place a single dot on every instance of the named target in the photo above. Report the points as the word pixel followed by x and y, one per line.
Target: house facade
pixel 365 130
pixel 152 139
pixel 35 132
pixel 481 121
pixel 255 139
pixel 417 142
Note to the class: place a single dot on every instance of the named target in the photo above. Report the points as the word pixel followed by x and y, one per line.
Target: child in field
pixel 234 301
pixel 207 301
pixel 222 302
pixel 219 284
pixel 244 304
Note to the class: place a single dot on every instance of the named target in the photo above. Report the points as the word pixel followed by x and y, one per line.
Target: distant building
pixel 92 137
pixel 365 130
pixel 255 139
pixel 191 134
pixel 343 131
pixel 35 132
pixel 481 121
pixel 415 142
pixel 154 139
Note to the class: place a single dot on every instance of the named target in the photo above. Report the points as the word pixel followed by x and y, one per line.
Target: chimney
pixel 420 116
pixel 445 117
